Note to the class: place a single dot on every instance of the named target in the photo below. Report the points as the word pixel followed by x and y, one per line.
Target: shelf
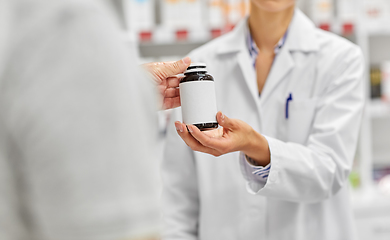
pixel 167 49
pixel 370 202
pixel 381 160
pixel 379 32
pixel 379 109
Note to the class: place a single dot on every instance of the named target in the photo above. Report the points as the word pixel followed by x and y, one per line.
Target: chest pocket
pixel 300 120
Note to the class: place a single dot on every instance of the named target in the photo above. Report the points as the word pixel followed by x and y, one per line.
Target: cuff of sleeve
pixel 254 187
pixel 258 170
pixel 248 170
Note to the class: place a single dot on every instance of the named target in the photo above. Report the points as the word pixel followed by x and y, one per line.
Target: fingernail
pixel 179 127
pixel 189 129
pixel 186 60
pixel 222 117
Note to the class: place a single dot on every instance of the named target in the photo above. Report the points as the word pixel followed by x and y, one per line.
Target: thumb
pixel 173 68
pixel 224 121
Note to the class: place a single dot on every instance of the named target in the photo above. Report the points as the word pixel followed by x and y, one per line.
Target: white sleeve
pixel 80 122
pixel 256 175
pixel 180 187
pixel 317 170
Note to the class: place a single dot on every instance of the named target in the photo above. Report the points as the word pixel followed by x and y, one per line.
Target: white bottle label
pixel 198 102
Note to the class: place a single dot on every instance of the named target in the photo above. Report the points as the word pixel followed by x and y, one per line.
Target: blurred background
pixel 166 30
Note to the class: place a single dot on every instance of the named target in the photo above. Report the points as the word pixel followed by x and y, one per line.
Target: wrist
pixel 258 150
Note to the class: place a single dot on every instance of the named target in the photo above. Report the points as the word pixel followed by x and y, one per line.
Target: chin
pixel 273 5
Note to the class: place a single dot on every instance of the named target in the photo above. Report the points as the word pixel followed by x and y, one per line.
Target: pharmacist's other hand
pixel 235 135
pixel 165 75
pixel 229 138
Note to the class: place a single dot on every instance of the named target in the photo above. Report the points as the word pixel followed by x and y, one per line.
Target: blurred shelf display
pixel 170 35
pixel 372 214
pixel 372 22
pixel 371 200
pixel 380 173
pixel 370 203
pixel 162 22
pixel 373 226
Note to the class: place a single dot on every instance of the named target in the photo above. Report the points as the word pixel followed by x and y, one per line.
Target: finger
pixel 215 133
pixel 172 93
pixel 161 89
pixel 225 122
pixel 171 103
pixel 168 69
pixel 192 142
pixel 162 70
pixel 153 68
pixel 173 82
pixel 220 144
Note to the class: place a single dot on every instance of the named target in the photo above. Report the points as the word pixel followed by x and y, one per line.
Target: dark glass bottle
pixel 197 95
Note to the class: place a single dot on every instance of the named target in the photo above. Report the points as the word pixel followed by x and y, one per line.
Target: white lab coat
pixel 306 195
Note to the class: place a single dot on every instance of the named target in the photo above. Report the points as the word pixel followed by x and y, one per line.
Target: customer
pixel 77 125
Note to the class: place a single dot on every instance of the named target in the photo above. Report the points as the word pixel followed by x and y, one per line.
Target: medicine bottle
pixel 197 96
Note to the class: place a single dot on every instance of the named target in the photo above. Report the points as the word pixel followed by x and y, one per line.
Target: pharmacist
pixel 291 97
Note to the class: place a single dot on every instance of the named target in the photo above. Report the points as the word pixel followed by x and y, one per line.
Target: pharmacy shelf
pixel 379 32
pixel 148 50
pixel 381 160
pixel 371 210
pixel 379 109
pixel 164 41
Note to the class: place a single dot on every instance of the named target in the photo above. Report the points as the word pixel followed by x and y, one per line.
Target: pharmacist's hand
pixel 164 74
pixel 235 135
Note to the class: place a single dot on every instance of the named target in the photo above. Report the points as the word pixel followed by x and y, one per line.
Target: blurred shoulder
pixel 211 48
pixel 337 49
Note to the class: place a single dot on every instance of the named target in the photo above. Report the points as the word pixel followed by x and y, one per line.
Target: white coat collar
pixel 301 36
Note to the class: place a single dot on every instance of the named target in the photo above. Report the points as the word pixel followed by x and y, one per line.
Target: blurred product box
pixel 182 17
pixel 385 82
pixel 376 14
pixel 170 21
pixel 375 82
pixel 235 11
pixel 322 13
pixel 380 173
pixel 216 17
pixel 346 11
pixel 141 17
pixel 354 179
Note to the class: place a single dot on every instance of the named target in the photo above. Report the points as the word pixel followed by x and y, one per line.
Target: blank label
pixel 198 102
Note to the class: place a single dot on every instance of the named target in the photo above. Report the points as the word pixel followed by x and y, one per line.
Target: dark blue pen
pixel 287 102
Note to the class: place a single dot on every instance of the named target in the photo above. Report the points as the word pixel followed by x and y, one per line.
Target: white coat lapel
pixel 301 37
pixel 236 44
pixel 249 74
pixel 282 65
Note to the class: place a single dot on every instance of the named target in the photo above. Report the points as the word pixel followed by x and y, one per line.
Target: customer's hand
pixel 165 75
pixel 235 135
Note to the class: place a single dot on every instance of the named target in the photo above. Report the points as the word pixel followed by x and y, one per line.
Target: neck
pixel 267 28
